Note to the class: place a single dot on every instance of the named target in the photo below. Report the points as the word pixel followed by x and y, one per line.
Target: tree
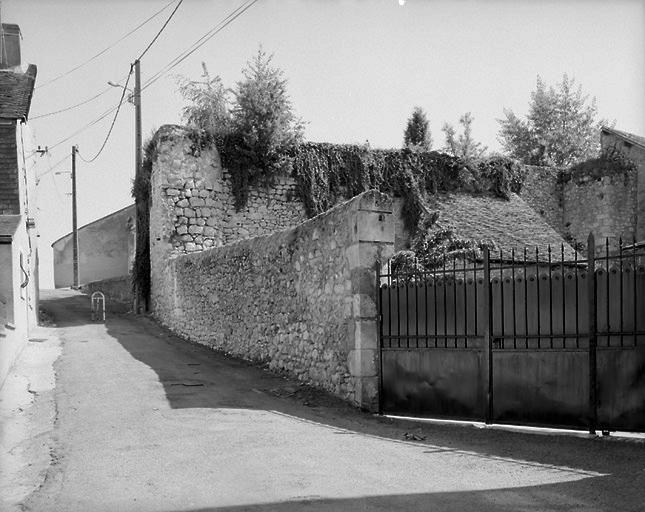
pixel 264 122
pixel 417 132
pixel 560 128
pixel 208 103
pixel 463 146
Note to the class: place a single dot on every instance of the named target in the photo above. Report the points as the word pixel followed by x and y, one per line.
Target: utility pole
pixel 75 280
pixel 137 119
pixel 136 98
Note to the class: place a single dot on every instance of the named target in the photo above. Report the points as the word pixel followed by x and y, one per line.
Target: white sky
pixel 356 69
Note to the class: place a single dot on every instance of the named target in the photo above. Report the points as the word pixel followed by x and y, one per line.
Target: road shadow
pixel 195 376
pixel 539 498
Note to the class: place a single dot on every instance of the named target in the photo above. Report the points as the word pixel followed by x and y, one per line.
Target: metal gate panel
pixel 534 342
pixel 621 388
pixel 541 387
pixel 438 382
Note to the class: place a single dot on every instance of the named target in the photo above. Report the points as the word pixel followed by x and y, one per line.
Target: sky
pixel 355 70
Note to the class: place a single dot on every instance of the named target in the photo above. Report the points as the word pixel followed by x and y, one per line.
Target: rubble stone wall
pixel 302 300
pixel 604 205
pixel 542 191
pixel 195 208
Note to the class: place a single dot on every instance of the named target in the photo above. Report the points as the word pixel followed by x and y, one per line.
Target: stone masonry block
pixel 366 393
pixel 375 226
pixel 365 255
pixel 363 281
pixel 363 306
pixel 376 201
pixel 365 335
pixel 363 363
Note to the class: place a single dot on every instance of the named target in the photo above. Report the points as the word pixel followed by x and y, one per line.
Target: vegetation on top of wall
pixel 433 247
pixel 253 131
pixel 327 172
pixel 141 191
pixel 609 163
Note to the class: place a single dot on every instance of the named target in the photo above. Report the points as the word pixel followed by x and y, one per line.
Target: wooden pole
pixel 75 278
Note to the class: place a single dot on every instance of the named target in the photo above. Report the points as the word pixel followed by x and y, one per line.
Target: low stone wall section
pixel 117 291
pixel 302 300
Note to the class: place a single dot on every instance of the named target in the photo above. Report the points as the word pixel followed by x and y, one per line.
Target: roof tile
pixel 16 90
pixel 509 224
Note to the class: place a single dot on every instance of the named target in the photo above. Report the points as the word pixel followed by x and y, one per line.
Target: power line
pixel 88 125
pixel 71 107
pixel 116 114
pixel 160 30
pixel 232 16
pixel 173 63
pixel 79 66
pixel 51 167
pixel 125 88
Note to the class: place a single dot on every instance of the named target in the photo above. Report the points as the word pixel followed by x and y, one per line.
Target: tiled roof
pixel 16 90
pixel 9 224
pixel 9 188
pixel 630 137
pixel 507 223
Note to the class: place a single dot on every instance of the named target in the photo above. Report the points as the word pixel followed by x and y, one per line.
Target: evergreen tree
pixel 208 103
pixel 417 132
pixel 264 122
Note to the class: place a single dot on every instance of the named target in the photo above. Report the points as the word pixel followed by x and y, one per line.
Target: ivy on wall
pixel 610 163
pixel 141 191
pixel 327 172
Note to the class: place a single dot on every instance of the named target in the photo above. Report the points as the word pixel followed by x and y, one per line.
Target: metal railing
pixel 494 302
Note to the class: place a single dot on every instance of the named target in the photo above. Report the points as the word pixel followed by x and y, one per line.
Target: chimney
pixel 9 45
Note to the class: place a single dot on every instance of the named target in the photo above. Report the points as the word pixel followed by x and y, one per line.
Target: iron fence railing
pixel 554 300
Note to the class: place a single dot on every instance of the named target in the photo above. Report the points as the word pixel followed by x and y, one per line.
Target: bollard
pixel 98 306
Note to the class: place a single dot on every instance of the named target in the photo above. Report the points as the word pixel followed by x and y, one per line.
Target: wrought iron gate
pixel 530 338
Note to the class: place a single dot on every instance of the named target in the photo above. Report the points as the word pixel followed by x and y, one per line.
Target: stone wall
pixel 197 208
pixel 636 153
pixel 542 191
pixel 301 300
pixel 117 292
pixel 604 205
pixel 576 203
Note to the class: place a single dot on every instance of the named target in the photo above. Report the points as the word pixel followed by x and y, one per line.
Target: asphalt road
pixel 144 421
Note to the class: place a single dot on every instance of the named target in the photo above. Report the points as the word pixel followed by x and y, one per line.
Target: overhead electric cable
pixel 232 16
pixel 176 61
pixel 51 168
pixel 79 66
pixel 160 30
pixel 116 114
pixel 88 125
pixel 125 88
pixel 71 107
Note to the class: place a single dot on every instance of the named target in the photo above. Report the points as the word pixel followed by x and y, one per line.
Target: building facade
pixel 18 236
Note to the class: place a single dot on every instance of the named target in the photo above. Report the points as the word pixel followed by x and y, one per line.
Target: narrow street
pixel 143 421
